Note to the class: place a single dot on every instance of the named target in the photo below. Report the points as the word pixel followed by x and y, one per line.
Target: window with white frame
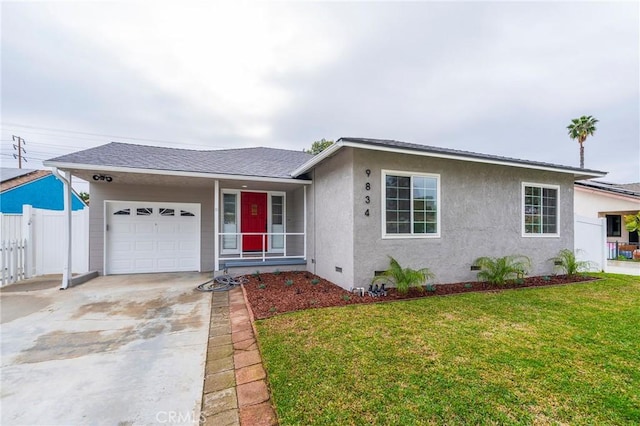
pixel 277 221
pixel 540 209
pixel 410 204
pixel 230 221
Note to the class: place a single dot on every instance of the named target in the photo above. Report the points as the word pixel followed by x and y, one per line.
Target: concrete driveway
pixel 118 350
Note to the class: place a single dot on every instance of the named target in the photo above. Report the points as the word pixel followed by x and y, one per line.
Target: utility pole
pixel 20 149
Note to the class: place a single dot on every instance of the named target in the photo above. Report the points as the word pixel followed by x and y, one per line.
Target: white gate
pixel 590 240
pixel 44 234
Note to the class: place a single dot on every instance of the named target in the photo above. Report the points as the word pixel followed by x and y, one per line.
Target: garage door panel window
pixel 144 211
pixel 186 213
pixel 166 212
pixel 122 212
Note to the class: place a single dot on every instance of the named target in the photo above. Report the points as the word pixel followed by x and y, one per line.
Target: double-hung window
pixel 540 209
pixel 411 204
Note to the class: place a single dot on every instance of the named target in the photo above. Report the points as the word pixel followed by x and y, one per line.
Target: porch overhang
pixel 156 176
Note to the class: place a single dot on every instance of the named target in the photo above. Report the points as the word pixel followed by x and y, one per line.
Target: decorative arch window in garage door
pixel 157 237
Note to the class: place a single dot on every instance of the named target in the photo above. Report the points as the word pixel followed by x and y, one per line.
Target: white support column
pixel 216 225
pixel 304 226
pixel 66 271
pixel 603 245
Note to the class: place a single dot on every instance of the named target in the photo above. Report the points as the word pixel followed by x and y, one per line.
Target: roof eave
pixel 115 169
pixel 25 183
pixel 318 158
pixel 612 192
pixel 577 174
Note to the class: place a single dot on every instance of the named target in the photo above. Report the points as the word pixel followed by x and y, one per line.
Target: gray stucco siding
pixel 331 213
pixel 101 192
pixel 480 213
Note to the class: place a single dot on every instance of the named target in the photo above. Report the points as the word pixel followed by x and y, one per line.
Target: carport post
pixel 66 271
pixel 216 225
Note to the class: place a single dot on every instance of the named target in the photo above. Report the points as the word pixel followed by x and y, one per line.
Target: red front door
pixel 253 207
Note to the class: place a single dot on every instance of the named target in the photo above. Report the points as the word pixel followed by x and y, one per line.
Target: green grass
pixel 567 354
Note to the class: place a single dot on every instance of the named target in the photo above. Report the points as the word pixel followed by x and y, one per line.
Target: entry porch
pixel 259 224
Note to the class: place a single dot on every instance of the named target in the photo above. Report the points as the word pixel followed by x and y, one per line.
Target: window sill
pixel 409 236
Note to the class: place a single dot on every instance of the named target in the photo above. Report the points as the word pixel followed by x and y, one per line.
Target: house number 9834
pixel 367 186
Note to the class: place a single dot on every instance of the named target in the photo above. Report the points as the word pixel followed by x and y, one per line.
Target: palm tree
pixel 579 129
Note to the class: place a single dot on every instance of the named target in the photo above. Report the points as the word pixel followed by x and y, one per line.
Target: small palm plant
pixel 632 222
pixel 403 278
pixel 566 260
pixel 498 270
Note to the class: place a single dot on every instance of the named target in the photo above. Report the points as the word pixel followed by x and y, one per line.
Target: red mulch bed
pixel 269 294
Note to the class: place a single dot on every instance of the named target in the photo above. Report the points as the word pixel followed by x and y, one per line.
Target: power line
pixel 105 135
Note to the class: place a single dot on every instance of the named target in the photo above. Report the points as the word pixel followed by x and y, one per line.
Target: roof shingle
pixel 459 153
pixel 261 162
pixel 12 178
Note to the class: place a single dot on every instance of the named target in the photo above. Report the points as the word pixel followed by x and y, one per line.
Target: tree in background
pixel 318 146
pixel 579 129
pixel 85 197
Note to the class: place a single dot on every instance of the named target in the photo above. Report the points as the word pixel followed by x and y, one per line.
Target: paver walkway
pixel 235 387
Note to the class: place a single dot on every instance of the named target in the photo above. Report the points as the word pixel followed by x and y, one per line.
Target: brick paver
pixel 252 393
pixel 250 374
pixel 258 415
pixel 235 388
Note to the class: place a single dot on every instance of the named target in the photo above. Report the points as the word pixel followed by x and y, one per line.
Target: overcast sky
pixel 497 78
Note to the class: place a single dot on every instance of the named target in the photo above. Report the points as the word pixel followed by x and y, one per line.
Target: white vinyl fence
pixel 590 241
pixel 12 253
pixel 35 243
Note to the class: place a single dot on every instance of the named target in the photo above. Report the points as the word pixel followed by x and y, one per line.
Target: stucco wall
pixel 330 210
pixel 115 192
pixel 595 204
pixel 481 215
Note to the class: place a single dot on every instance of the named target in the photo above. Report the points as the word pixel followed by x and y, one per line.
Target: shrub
pixel 498 270
pixel 262 286
pixel 430 288
pixel 632 222
pixel 403 278
pixel 346 297
pixel 468 285
pixel 277 272
pixel 566 261
pixel 288 283
pixel 315 281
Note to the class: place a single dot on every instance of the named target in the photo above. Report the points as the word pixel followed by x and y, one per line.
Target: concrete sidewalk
pixel 235 388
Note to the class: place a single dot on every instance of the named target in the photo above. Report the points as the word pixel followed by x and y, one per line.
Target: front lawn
pixel 566 354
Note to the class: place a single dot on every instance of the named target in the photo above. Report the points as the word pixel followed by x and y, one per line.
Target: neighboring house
pixel 610 201
pixel 38 188
pixel 339 214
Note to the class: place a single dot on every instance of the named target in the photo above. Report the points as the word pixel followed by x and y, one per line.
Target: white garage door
pixel 152 237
